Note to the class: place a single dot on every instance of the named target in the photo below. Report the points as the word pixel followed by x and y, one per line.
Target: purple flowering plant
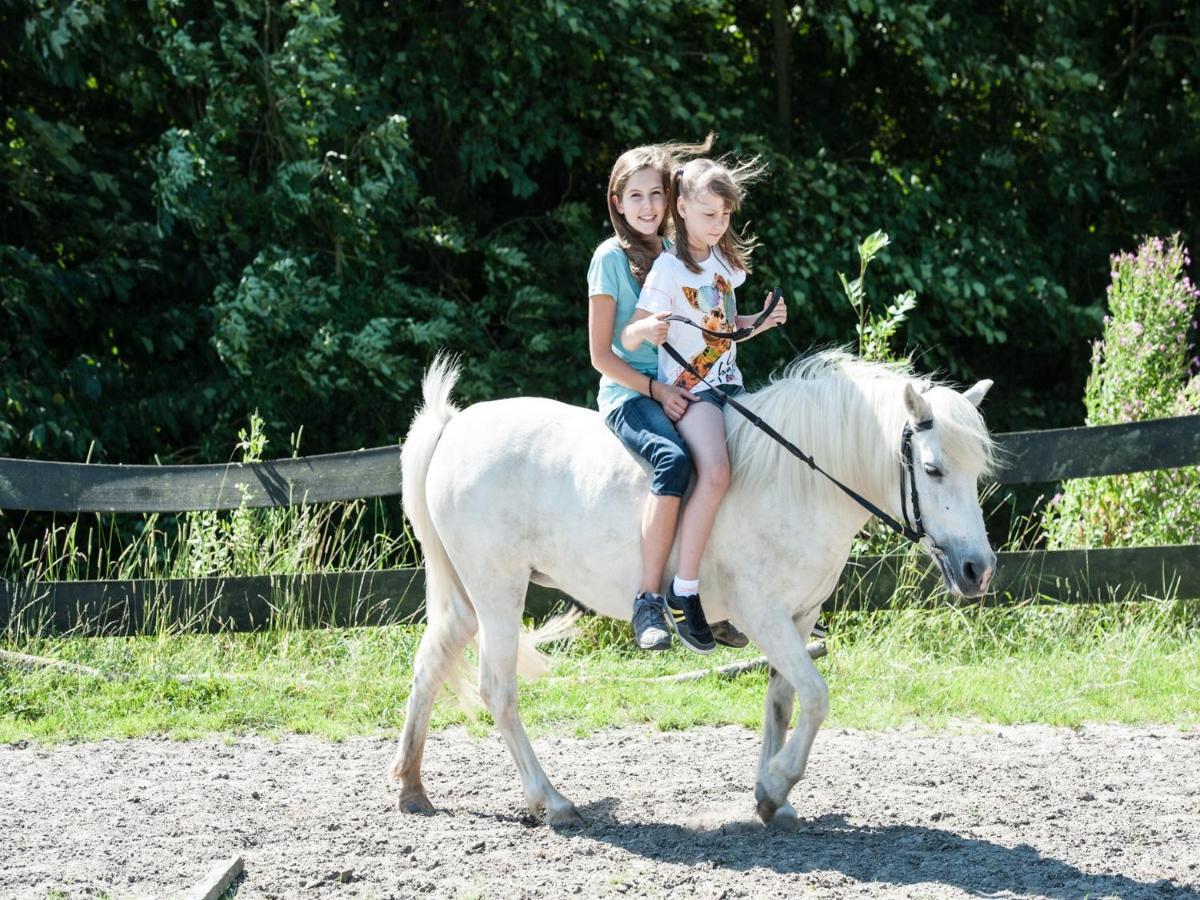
pixel 1144 367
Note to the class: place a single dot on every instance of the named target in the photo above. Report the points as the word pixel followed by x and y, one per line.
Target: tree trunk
pixel 783 83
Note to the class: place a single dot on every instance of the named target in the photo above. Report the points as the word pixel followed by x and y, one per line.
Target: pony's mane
pixel 832 405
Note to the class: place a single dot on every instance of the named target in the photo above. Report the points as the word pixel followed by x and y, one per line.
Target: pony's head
pixel 950 451
pixel 850 415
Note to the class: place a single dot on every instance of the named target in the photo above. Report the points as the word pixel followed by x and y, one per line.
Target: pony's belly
pixel 607 595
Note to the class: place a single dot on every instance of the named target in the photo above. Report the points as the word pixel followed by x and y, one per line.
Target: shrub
pixel 1140 370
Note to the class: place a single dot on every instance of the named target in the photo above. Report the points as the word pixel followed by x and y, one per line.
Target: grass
pixel 1128 663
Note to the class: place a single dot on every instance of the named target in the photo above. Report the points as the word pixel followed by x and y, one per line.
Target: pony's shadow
pixel 889 854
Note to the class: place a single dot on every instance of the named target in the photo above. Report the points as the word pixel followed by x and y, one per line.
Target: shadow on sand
pixel 889 854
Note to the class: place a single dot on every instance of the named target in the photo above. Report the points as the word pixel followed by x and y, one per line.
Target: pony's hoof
pixel 765 805
pixel 567 817
pixel 785 818
pixel 415 803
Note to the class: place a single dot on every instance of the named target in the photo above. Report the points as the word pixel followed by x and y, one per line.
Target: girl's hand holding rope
pixel 655 328
pixel 778 314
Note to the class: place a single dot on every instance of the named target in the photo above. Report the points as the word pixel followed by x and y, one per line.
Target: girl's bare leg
pixel 659 517
pixel 703 430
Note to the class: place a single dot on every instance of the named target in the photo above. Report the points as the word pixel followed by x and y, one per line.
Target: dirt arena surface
pixel 1025 811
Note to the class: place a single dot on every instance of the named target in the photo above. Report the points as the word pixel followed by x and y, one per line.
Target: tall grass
pixel 331 537
pixel 358 535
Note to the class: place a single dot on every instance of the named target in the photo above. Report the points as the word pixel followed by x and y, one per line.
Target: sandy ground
pixel 1026 811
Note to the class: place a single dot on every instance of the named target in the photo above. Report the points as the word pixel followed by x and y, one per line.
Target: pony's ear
pixel 978 391
pixel 919 409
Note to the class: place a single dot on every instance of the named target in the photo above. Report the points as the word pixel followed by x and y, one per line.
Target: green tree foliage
pixel 1140 370
pixel 207 208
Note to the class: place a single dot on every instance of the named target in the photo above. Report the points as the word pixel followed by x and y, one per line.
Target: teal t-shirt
pixel 609 274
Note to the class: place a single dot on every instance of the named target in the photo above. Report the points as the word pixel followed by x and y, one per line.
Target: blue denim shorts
pixel 644 428
pixel 708 395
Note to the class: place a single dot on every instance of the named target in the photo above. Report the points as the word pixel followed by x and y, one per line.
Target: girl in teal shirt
pixel 640 410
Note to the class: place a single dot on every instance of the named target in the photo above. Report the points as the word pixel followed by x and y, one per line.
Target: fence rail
pixel 1087 452
pixel 1026 457
pixel 79 487
pixel 395 595
pixel 390 596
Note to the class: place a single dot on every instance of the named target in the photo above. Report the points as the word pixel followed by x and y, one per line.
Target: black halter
pixel 916 526
pixel 915 531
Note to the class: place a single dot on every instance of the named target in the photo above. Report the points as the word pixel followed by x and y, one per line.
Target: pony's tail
pixel 447 605
pixel 532 663
pixel 416 452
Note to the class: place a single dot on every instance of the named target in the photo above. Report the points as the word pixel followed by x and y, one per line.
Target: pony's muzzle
pixel 966 574
pixel 975 573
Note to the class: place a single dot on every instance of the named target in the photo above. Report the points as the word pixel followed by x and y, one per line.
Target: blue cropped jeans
pixel 644 428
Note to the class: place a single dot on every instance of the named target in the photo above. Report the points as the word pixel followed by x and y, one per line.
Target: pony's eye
pixel 933 471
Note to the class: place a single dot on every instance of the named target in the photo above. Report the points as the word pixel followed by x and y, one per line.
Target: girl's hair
pixel 727 181
pixel 663 158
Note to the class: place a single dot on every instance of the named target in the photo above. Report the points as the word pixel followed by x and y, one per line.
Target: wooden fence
pixel 387 596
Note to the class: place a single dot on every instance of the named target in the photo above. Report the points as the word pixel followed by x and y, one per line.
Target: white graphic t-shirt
pixel 705 297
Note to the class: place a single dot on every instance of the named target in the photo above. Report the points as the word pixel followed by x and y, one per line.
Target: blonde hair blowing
pixel 727 181
pixel 663 158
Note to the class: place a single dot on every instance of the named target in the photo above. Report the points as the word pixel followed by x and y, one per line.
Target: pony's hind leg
pixel 499 642
pixel 441 646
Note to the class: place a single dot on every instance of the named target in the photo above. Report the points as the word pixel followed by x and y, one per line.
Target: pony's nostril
pixel 971 572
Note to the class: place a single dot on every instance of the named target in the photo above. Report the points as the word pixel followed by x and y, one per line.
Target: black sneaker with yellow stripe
pixel 687 618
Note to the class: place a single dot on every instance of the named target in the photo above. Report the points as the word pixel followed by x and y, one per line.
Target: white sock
pixel 684 588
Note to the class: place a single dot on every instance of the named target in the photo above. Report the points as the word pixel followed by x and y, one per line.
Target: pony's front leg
pixel 499 637
pixel 788 655
pixel 776 718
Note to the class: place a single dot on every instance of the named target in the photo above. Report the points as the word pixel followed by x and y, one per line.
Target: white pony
pixel 529 489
